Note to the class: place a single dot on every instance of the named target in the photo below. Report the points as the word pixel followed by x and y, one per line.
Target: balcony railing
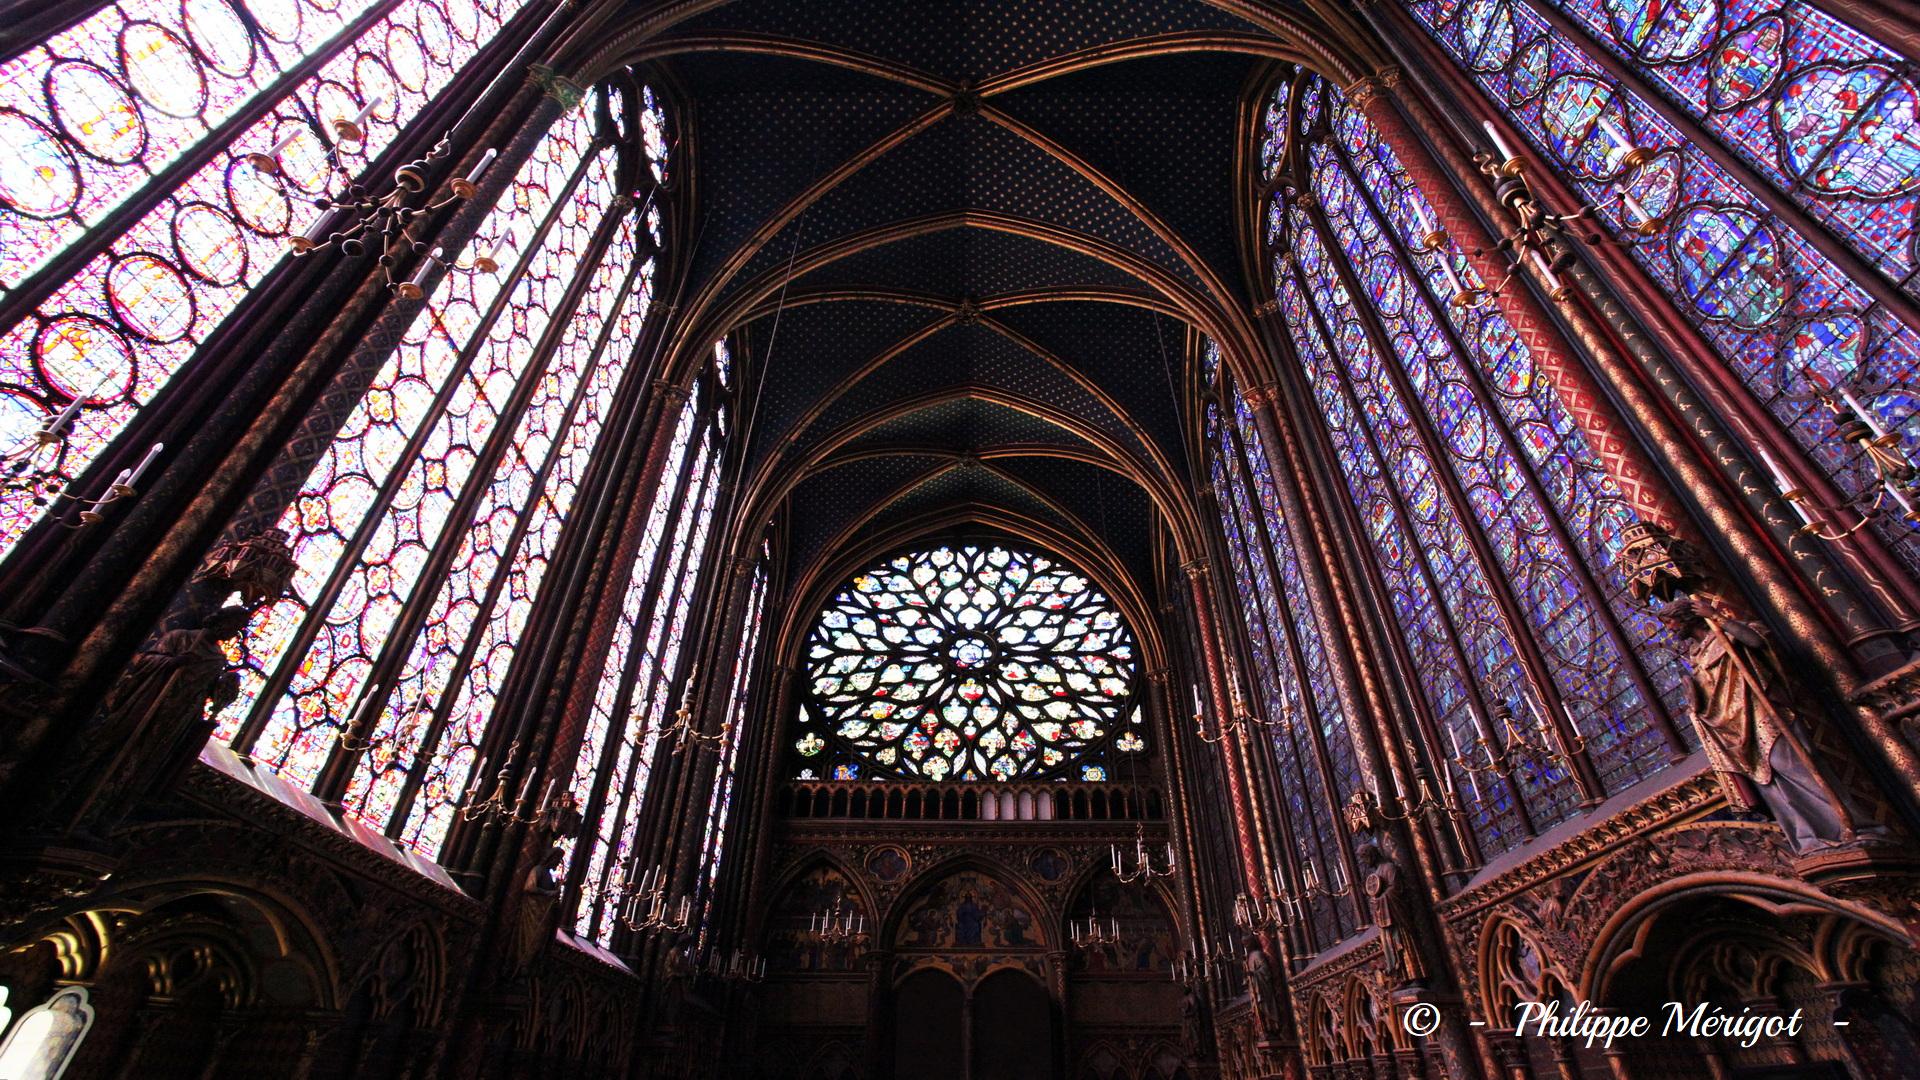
pixel 893 801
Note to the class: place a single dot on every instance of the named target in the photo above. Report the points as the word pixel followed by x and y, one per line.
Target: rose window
pixel 966 662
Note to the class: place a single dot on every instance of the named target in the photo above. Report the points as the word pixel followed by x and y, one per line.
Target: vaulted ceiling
pixel 970 240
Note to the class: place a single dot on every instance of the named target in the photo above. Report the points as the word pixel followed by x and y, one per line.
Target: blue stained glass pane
pixel 1818 110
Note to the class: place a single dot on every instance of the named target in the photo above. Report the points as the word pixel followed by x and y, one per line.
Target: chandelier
pixel 837 925
pixel 1534 228
pixel 1138 865
pixel 355 218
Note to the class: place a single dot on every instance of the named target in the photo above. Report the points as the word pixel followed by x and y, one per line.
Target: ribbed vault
pixel 972 265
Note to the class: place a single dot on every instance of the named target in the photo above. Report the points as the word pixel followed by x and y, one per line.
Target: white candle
pixel 360 707
pixel 479 167
pixel 317 232
pixel 1547 275
pixel 1499 143
pixel 59 423
pixel 1906 504
pixel 1866 415
pixel 367 111
pixel 1573 722
pixel 1486 730
pixel 1198 708
pixel 145 463
pixel 1426 221
pixel 1633 206
pixel 1786 488
pixel 1619 137
pixel 417 284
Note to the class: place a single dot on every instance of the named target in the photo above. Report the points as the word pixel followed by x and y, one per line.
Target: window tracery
pixel 132 222
pixel 423 534
pixel 1494 533
pixel 966 662
pixel 1785 108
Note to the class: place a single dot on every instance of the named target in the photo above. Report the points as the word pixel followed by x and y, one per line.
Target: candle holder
pixel 684 734
pixel 355 219
pixel 837 925
pixel 645 908
pixel 1535 228
pixel 1896 488
pixel 500 807
pixel 739 966
pixel 1139 865
pixel 1094 934
pixel 1542 742
pixel 39 465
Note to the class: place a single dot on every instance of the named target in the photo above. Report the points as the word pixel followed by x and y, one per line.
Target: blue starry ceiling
pixel 1124 172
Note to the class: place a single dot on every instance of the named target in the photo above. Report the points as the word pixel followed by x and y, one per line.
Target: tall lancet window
pixel 713 844
pixel 1292 681
pixel 635 699
pixel 424 531
pixel 132 222
pixel 1787 171
pixel 1491 527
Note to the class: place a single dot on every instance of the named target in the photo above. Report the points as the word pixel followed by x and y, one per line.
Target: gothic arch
pixel 928 879
pixel 1623 936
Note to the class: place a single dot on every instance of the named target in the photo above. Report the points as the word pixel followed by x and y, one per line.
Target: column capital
pixel 1365 90
pixel 671 392
pixel 1195 568
pixel 556 86
pixel 1264 396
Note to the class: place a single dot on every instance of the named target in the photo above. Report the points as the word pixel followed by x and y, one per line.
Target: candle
pixel 1486 731
pixel 1426 220
pixel 360 707
pixel 1455 741
pixel 1633 205
pixel 479 167
pixel 1619 137
pixel 416 286
pixel 1900 497
pixel 145 463
pixel 1499 143
pixel 1866 415
pixel 1198 708
pixel 1573 721
pixel 317 233
pixel 1552 280
pixel 59 423
pixel 367 111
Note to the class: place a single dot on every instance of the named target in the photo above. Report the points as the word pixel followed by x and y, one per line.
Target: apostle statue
pixel 1390 900
pixel 1745 714
pixel 1261 985
pixel 540 892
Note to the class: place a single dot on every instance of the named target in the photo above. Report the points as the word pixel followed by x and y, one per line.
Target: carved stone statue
pixel 1389 898
pixel 540 892
pixel 1261 985
pixel 1747 721
pixel 168 686
pixel 259 568
pixel 1195 1028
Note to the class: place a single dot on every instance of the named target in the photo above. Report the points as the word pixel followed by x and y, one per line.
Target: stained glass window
pixel 131 221
pixel 713 845
pixel 1494 532
pixel 424 531
pixel 636 698
pixel 1809 115
pixel 1291 681
pixel 965 662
